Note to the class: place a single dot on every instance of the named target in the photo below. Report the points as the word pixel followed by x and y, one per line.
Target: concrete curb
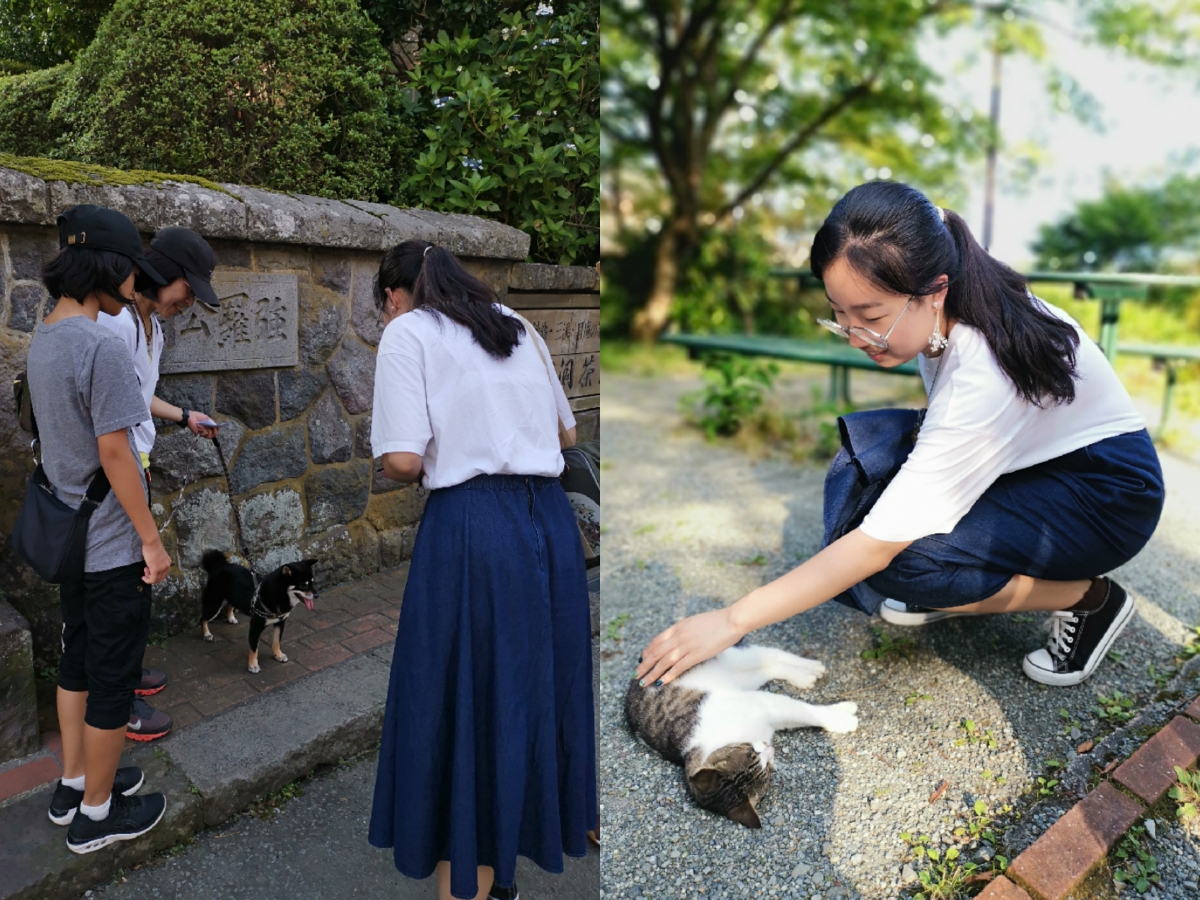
pixel 208 772
pixel 1073 849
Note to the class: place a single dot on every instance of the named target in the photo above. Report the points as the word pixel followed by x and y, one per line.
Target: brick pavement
pixel 206 678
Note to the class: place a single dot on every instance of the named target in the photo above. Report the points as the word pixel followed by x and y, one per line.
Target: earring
pixel 937 340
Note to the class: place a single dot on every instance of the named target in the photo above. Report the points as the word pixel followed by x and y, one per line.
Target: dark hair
pixel 164 266
pixel 890 234
pixel 77 271
pixel 439 283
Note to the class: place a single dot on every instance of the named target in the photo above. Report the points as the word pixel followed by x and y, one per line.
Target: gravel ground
pixel 314 848
pixel 691 525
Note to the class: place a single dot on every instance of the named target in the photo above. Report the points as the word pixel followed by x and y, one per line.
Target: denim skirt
pixel 1077 516
pixel 488 746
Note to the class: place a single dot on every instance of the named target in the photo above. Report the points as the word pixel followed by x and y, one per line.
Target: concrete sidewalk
pixel 237 736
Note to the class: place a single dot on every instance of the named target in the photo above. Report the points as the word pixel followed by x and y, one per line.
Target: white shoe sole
pixel 1066 679
pixel 70 816
pixel 909 619
pixel 102 842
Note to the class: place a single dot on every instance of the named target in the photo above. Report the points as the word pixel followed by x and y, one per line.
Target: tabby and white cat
pixel 715 722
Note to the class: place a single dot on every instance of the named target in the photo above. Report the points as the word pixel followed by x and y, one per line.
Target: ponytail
pixel 438 282
pixel 1035 348
pixel 894 237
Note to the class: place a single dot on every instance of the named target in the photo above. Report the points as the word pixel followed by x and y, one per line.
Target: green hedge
pixel 512 127
pixel 288 94
pixel 26 126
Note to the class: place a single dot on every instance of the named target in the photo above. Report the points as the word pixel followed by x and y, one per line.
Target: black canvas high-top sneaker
pixel 1078 640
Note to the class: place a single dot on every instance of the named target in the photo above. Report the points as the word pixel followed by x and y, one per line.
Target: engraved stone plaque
pixel 255 327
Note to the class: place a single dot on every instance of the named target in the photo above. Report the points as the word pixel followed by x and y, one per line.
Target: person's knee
pixel 920 579
pixel 108 706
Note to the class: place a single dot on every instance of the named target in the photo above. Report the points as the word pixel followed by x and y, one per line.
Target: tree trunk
pixel 650 321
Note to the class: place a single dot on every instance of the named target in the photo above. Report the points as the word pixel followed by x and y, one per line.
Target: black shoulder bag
pixel 50 535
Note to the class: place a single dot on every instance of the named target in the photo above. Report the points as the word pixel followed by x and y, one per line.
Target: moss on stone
pixel 84 173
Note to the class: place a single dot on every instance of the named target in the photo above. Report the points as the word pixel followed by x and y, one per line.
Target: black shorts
pixel 106 624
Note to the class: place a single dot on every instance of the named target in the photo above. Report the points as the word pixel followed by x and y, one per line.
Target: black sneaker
pixel 128 818
pixel 147 723
pixel 1079 640
pixel 66 800
pixel 508 893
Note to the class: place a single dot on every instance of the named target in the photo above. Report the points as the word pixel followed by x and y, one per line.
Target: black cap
pixel 191 253
pixel 101 228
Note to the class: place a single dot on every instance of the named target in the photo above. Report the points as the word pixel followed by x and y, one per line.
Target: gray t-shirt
pixel 83 385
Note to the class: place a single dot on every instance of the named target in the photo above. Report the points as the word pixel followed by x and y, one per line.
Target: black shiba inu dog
pixel 231 587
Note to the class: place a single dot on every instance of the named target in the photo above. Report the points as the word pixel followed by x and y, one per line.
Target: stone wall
pixel 297 442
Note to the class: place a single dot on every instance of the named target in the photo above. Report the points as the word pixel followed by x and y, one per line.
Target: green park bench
pixel 840 357
pixel 1111 289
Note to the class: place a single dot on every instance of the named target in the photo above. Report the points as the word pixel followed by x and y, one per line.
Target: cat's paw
pixel 840 718
pixel 803 673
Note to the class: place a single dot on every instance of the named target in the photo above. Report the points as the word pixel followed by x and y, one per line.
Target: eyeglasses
pixel 874 338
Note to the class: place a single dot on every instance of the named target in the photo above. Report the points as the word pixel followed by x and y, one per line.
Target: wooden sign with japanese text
pixel 579 373
pixel 254 328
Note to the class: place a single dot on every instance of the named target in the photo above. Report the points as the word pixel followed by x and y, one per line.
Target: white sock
pixel 76 782
pixel 96 813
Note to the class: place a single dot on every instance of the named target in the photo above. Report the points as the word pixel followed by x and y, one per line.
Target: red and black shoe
pixel 147 723
pixel 153 681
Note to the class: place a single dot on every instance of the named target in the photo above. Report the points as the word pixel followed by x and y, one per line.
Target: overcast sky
pixel 1151 123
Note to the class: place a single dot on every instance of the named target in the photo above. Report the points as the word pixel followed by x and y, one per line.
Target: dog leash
pixel 256 607
pixel 186 479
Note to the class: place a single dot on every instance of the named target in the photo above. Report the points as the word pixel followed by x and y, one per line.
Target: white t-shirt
pixel 440 395
pixel 146 358
pixel 978 428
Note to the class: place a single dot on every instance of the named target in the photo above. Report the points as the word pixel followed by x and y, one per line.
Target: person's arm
pixel 840 566
pixel 161 409
pixel 401 466
pixel 125 476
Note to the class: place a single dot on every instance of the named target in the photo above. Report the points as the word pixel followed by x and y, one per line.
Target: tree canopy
pixel 1128 229
pixel 719 103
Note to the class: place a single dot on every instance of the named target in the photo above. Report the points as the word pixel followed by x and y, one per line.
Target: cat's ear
pixel 745 814
pixel 705 780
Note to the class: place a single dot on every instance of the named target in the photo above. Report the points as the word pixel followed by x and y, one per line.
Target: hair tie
pixel 430 247
pixel 941 213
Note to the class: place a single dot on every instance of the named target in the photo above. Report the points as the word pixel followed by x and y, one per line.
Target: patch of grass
pixel 644 529
pixel 972 735
pixel 987 775
pixel 1161 677
pixel 1185 793
pixel 916 697
pixel 1116 710
pixel 1069 721
pixel 1132 864
pixel 644 360
pixel 157 639
pixel 1044 787
pixel 267 806
pixel 758 560
pixel 614 627
pixel 1192 647
pixel 47 673
pixel 980 824
pixel 886 645
pixel 942 876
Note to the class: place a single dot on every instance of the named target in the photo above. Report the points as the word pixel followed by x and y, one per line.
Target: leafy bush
pixel 40 33
pixel 512 128
pixel 289 94
pixel 26 126
pixel 733 393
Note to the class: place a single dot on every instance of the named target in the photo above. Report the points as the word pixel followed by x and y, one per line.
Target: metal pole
pixel 989 191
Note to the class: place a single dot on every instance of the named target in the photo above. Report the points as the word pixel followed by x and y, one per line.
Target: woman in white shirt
pixel 488 749
pixel 1029 476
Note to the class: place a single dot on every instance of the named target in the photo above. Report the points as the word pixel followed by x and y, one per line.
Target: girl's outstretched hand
pixel 686 643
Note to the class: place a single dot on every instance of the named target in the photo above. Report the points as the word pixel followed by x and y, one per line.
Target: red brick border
pixel 1071 849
